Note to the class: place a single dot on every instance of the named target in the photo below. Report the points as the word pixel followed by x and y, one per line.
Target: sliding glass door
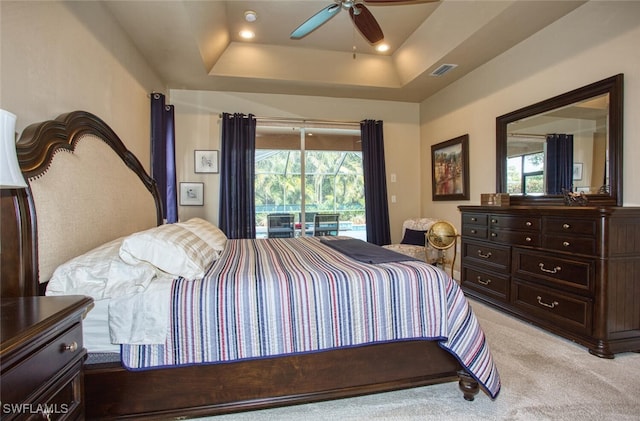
pixel 323 162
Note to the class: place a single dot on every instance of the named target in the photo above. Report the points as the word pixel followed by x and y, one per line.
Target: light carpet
pixel 544 377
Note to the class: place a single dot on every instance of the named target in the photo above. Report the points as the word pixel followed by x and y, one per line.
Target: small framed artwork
pixel 206 161
pixel 191 194
pixel 450 169
pixel 577 171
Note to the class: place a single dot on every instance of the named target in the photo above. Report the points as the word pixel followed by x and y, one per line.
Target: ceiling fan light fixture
pixel 246 34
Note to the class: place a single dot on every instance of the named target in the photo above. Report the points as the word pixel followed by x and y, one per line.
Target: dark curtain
pixel 559 165
pixel 237 159
pixel 163 155
pixel 375 183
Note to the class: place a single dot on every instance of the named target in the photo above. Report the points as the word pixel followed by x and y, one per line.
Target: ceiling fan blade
pixel 392 2
pixel 315 21
pixel 366 23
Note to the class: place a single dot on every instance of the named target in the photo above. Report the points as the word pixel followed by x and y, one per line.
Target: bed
pixel 79 171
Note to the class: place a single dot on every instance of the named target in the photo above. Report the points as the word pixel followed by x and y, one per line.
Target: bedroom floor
pixel 544 377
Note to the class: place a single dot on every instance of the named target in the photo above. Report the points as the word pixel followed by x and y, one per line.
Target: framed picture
pixel 577 170
pixel 191 194
pixel 450 169
pixel 206 161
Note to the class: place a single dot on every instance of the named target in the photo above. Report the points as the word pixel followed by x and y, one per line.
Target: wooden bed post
pixel 468 385
pixel 17 254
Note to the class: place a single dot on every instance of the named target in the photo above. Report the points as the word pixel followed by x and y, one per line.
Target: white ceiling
pixel 194 44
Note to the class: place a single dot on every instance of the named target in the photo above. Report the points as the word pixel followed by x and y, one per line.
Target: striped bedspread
pixel 282 296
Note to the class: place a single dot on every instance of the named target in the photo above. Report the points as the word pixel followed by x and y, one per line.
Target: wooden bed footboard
pixel 112 392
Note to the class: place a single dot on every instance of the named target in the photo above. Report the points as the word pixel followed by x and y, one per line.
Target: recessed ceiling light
pixel 250 16
pixel 246 34
pixel 382 48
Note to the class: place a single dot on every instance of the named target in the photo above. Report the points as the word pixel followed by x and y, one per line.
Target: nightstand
pixel 41 357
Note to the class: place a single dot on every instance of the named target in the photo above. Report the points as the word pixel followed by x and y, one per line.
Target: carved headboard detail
pixel 85 188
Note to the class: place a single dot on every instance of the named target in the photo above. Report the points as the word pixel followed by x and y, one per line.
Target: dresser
pixel 41 358
pixel 574 271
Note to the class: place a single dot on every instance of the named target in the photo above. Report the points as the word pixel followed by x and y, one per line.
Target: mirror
pixel 527 157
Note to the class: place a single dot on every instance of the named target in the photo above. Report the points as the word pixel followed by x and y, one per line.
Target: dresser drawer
pixel 474 231
pixel 571 226
pixel 581 245
pixel 485 282
pixel 558 270
pixel 482 253
pixel 41 365
pixel 514 222
pixel 518 238
pixel 559 308
pixel 474 219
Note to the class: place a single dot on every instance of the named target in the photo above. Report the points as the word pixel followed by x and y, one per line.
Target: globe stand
pixel 442 236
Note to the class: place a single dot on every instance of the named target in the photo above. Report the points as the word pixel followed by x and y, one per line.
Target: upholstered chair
pixel 413 239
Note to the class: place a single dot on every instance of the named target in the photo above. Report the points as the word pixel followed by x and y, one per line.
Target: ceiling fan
pixel 362 18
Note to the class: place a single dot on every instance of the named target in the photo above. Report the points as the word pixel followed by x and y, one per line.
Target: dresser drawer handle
pixel 528 223
pixel 542 303
pixel 474 219
pixel 566 226
pixel 493 234
pixel 482 282
pixel 72 347
pixel 566 243
pixel 527 239
pixel 494 221
pixel 474 232
pixel 484 256
pixel 554 270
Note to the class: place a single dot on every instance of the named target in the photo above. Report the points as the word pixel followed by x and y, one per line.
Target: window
pixel 323 162
pixel 525 174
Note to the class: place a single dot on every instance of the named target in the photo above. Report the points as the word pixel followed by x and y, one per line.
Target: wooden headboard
pixel 84 188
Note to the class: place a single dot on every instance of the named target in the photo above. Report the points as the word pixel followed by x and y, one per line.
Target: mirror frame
pixel 614 87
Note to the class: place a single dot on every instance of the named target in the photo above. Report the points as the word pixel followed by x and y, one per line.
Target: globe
pixel 442 235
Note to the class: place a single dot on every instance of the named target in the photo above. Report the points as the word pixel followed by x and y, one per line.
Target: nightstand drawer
pixel 567 310
pixel 61 401
pixel 20 380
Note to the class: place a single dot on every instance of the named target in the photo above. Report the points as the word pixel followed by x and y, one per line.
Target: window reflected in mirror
pixel 570 142
pixel 528 149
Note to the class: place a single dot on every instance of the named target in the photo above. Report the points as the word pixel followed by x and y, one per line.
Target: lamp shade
pixel 10 174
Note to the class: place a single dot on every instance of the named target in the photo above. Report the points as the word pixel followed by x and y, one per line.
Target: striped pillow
pixel 171 248
pixel 211 234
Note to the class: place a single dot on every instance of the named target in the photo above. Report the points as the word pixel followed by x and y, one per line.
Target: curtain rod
pixel 541 136
pixel 302 121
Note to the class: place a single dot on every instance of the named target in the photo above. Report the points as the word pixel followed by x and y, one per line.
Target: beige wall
pixel 58 57
pixel 597 40
pixel 198 127
pixel 72 55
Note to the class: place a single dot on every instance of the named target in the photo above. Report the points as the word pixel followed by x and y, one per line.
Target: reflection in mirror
pixel 571 142
pixel 528 145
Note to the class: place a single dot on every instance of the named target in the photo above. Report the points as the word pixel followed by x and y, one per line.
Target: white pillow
pixel 171 248
pixel 212 235
pixel 100 274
